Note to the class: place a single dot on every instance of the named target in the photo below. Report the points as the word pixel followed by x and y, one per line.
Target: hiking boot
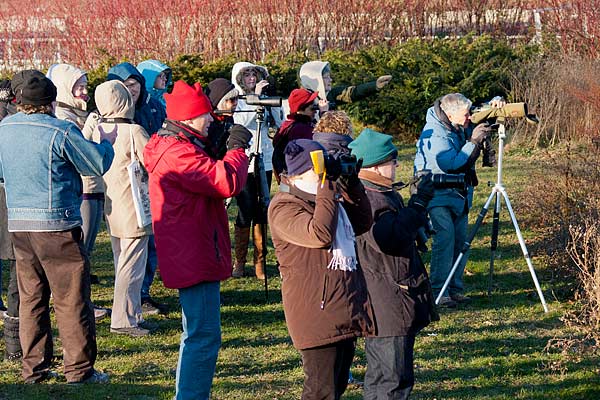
pixel 238 271
pixel 43 377
pixel 95 377
pixel 134 331
pixel 447 302
pixel 151 307
pixel 460 298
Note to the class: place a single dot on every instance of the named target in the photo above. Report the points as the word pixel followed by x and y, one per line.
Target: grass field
pixel 490 349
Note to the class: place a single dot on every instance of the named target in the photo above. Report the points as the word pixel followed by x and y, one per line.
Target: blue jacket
pixel 150 69
pixel 149 112
pixel 445 150
pixel 41 160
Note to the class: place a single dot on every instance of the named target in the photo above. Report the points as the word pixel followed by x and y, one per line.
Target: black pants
pixel 390 374
pixel 326 370
pixel 249 211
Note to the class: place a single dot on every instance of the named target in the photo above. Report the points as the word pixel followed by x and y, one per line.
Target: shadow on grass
pixel 51 390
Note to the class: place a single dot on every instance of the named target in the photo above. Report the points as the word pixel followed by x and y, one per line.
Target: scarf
pixel 344 253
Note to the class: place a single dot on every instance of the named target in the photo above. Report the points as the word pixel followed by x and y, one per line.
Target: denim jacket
pixel 41 158
pixel 443 151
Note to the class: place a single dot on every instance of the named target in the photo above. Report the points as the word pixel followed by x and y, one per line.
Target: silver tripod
pixel 498 192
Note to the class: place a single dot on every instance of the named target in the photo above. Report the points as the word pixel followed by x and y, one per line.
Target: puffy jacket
pixel 248 119
pixel 187 193
pixel 117 109
pixel 41 158
pixel 396 278
pixel 443 149
pixel 149 112
pixel 321 305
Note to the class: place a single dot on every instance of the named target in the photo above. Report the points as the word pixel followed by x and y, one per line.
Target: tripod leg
pixel 524 250
pixel 494 244
pixel 466 246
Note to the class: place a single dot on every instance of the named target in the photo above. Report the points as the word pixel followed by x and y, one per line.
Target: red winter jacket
pixel 187 190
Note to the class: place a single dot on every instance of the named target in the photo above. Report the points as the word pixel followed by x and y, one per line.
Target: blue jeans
pixel 450 236
pixel 200 340
pixel 151 264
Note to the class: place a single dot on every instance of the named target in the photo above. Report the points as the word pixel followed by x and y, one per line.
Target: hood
pixel 122 72
pixel 335 143
pixel 150 69
pixel 238 68
pixel 64 77
pixel 311 77
pixel 114 100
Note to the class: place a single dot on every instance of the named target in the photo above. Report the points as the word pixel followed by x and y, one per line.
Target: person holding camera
pixel 450 145
pixel 396 278
pixel 313 223
pixel 251 79
pixel 187 188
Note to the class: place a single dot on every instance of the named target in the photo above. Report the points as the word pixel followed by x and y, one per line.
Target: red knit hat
pixel 186 102
pixel 300 98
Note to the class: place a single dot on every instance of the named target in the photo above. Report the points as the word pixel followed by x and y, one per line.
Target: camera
pixel 509 110
pixel 262 101
pixel 347 164
pixel 448 181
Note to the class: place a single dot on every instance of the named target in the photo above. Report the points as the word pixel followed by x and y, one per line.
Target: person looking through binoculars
pixel 449 144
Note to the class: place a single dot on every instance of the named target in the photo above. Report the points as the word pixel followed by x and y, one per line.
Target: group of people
pixel 343 237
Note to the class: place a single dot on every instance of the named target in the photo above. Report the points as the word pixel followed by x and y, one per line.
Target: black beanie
pixel 33 88
pixel 216 89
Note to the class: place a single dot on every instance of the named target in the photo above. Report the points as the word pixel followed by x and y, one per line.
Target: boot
pixel 11 338
pixel 259 257
pixel 241 238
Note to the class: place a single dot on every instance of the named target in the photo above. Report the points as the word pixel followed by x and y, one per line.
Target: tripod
pixel 498 192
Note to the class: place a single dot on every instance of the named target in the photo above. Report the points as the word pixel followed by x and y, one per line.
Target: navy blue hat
pixel 297 155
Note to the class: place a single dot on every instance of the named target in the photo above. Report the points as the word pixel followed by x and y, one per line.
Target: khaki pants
pixel 55 262
pixel 130 256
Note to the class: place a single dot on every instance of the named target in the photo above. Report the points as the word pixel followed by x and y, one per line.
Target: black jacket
pixel 396 278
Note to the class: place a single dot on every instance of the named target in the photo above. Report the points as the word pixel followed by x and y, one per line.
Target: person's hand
pixel 498 102
pixel 479 134
pixel 424 194
pixel 110 136
pixel 323 106
pixel 239 138
pixel 260 86
pixel 382 81
pixel 6 93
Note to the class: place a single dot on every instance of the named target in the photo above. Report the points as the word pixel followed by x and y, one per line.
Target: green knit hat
pixel 373 147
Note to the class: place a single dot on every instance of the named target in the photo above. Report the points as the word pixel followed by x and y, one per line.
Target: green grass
pixel 490 349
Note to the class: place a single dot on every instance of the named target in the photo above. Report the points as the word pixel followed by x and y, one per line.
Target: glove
pixel 425 192
pixel 239 138
pixel 333 167
pixel 479 134
pixel 382 81
pixel 6 94
pixel 351 180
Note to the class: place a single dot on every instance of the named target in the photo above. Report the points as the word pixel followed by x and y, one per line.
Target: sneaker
pixel 95 377
pixel 151 307
pixel 447 302
pixel 100 313
pixel 43 377
pixel 134 331
pixel 460 298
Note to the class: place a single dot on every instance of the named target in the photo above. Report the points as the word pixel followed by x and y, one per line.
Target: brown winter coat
pixel 321 305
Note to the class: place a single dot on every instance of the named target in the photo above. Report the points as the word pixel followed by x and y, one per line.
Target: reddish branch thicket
pixel 84 31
